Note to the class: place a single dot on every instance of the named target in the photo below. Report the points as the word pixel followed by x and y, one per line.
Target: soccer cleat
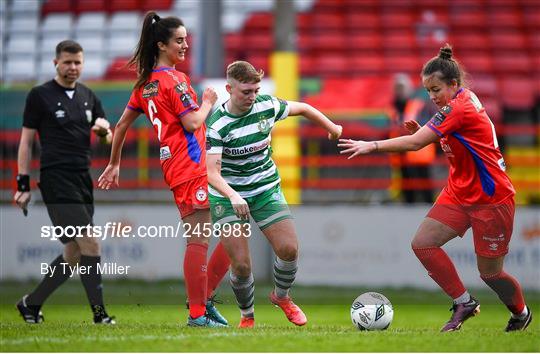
pixel 292 311
pixel 105 320
pixel 515 324
pixel 29 315
pixel 204 321
pixel 213 313
pixel 461 312
pixel 247 322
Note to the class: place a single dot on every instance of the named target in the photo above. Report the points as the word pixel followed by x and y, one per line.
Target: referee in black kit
pixel 63 112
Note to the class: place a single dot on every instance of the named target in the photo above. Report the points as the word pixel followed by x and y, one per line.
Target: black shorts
pixel 69 198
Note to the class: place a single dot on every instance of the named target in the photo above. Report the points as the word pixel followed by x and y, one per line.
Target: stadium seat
pixel 308 66
pixel 397 20
pixel 57 22
pixel 261 41
pixel 23 24
pixel 516 63
pixel 94 67
pixel 82 6
pixel 366 64
pixel 358 21
pixel 259 61
pixel 24 7
pixel 47 45
pixel 326 42
pixel 402 64
pixel 322 22
pixel 259 22
pixel 233 42
pixel 45 69
pixel 464 42
pixel 20 69
pixel 155 5
pixel 485 86
pixel 332 65
pixel 124 5
pixel 55 6
pixel 493 109
pixel 465 20
pixel 508 41
pixel 92 44
pixel 517 92
pixel 121 45
pixel 124 23
pixel 366 41
pixel 531 17
pixel 21 45
pixel 479 63
pixel 504 17
pixel 399 40
pixel 90 23
pixel 117 70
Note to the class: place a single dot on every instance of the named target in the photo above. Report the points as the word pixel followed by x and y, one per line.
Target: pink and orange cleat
pixel 292 311
pixel 247 322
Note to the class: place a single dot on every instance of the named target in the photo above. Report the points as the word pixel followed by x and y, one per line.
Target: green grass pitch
pixel 151 317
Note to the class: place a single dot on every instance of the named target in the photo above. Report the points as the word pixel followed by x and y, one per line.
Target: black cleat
pixel 30 314
pixel 101 316
pixel 515 324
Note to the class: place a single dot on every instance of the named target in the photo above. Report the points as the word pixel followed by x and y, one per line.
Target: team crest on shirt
pixel 446 110
pixel 150 89
pixel 263 125
pixel 219 210
pixel 164 153
pixel 201 194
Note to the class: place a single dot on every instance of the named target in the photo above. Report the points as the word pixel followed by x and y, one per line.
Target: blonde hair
pixel 243 72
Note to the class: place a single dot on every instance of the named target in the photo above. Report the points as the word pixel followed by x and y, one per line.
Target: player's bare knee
pixel 241 269
pixel 288 252
pixel 72 253
pixel 488 267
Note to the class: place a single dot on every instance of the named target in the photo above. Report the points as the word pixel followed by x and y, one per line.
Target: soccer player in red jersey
pixel 166 97
pixel 479 193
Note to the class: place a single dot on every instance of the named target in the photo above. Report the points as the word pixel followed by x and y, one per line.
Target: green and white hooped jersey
pixel 244 142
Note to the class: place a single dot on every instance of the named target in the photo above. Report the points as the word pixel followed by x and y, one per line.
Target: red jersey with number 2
pixel 468 138
pixel 165 99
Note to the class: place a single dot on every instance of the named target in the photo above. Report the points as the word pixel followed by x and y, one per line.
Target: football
pixel 372 311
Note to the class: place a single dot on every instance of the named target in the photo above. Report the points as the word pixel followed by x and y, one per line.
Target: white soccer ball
pixel 372 311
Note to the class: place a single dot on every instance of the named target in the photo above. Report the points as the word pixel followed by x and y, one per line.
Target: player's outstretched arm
pixel 316 116
pixel 213 168
pixel 194 120
pixel 110 176
pixel 24 156
pixel 414 142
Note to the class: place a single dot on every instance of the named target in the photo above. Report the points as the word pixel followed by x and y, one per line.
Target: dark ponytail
pixel 154 30
pixel 449 69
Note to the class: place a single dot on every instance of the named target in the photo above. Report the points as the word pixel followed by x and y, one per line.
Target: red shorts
pixel 492 225
pixel 191 196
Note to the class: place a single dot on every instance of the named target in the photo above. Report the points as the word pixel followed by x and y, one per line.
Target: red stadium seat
pixel 399 40
pixel 124 5
pixel 409 64
pixel 259 61
pixel 505 17
pixel 90 6
pixel 464 20
pixel 359 21
pixel 327 21
pixel 512 63
pixel 485 86
pixel 531 17
pixel 394 20
pixel 366 41
pixel 259 22
pixel 366 65
pixel 117 70
pixel 332 66
pixel 233 42
pixel 477 64
pixel 517 92
pixel 493 109
pixel 259 42
pixel 56 6
pixel 325 42
pixel 464 42
pixel 308 66
pixel 508 40
pixel 154 5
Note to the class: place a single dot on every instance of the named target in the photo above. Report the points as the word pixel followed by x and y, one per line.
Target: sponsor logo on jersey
pixel 493 246
pixel 164 153
pixel 186 100
pixel 438 118
pixel 246 150
pixel 201 194
pixel 150 89
pixel 88 115
pixel 60 113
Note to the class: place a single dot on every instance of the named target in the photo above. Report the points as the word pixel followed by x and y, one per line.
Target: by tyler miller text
pixel 102 268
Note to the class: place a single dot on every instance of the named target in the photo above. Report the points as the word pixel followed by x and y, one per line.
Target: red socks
pixel 508 290
pixel 218 265
pixel 196 278
pixel 441 269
